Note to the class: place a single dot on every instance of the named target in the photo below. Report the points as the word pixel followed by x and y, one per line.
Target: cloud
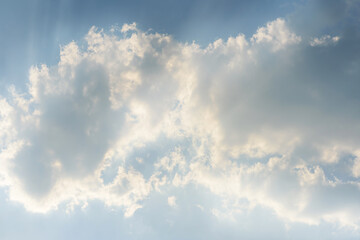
pixel 172 201
pixel 269 120
pixel 324 40
pixel 277 34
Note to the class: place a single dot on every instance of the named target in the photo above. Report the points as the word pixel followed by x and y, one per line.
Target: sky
pixel 180 119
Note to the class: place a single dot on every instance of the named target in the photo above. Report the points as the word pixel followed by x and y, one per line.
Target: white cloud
pixel 128 27
pixel 243 119
pixel 324 40
pixel 172 201
pixel 277 34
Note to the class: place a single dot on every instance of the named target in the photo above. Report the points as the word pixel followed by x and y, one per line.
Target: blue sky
pixel 179 119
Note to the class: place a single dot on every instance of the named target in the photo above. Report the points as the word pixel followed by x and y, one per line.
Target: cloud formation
pixel 268 121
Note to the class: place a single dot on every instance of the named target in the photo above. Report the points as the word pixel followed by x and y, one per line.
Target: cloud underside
pixel 270 121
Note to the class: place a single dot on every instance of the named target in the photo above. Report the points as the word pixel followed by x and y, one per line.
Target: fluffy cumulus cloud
pixel 270 121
